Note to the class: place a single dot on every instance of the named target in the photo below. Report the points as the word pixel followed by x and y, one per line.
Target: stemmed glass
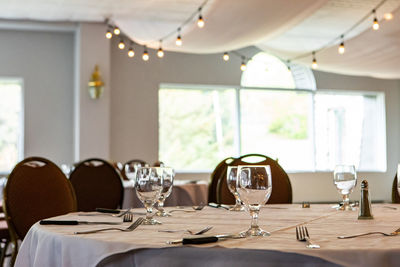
pixel 131 169
pixel 345 179
pixel 231 181
pixel 149 183
pixel 254 188
pixel 168 181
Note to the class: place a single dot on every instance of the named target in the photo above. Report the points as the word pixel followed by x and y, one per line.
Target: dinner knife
pixel 103 210
pixel 202 240
pixel 71 222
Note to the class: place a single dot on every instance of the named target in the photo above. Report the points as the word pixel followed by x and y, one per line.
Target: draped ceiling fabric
pixel 286 28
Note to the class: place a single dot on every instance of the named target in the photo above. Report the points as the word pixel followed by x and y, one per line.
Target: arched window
pixel 265 70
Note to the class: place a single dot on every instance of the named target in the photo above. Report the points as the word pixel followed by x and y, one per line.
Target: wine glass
pixel 149 183
pixel 131 169
pixel 231 181
pixel 254 188
pixel 168 181
pixel 345 179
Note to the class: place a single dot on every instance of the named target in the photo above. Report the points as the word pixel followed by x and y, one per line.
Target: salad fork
pixel 130 228
pixel 302 235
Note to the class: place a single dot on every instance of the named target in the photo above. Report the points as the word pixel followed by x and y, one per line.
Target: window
pixel 11 124
pixel 305 129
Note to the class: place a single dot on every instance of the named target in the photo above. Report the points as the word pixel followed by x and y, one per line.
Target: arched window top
pixel 265 70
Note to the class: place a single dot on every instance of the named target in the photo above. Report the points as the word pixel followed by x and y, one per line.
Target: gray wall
pixel 44 60
pixel 134 113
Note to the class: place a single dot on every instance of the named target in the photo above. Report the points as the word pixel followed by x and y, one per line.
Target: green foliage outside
pixel 293 126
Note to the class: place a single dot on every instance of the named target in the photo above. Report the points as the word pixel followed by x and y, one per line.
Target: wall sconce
pixel 96 85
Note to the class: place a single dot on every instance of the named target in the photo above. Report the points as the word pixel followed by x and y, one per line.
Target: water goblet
pixel 345 179
pixel 148 185
pixel 231 181
pixel 168 181
pixel 254 188
pixel 131 169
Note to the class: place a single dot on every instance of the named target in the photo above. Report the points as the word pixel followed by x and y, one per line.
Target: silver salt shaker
pixel 365 203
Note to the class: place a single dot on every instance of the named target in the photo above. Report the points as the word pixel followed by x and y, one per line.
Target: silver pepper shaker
pixel 365 203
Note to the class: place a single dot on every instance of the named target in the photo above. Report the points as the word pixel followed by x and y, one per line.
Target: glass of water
pixel 168 181
pixel 345 179
pixel 231 181
pixel 148 185
pixel 254 188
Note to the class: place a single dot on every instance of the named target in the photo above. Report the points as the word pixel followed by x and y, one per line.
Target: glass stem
pixel 149 212
pixel 346 200
pixel 254 219
pixel 238 202
pixel 160 205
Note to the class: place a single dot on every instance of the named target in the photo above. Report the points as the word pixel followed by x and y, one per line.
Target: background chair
pixel 36 189
pixel 97 184
pixel 395 193
pixel 281 186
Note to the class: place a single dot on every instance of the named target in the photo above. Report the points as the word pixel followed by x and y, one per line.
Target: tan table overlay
pixel 58 246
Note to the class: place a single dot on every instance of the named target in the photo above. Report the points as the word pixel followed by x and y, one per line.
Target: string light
pixel 131 53
pixel 388 16
pixel 314 64
pixel 108 34
pixel 226 56
pixel 145 55
pixel 200 20
pixel 117 31
pixel 160 52
pixel 375 24
pixel 178 41
pixel 121 44
pixel 288 66
pixel 243 65
pixel 341 48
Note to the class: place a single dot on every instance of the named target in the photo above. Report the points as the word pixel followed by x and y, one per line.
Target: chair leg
pixel 14 253
pixel 3 252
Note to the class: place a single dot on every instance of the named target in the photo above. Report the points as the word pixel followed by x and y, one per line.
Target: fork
pixel 128 217
pixel 130 228
pixel 302 235
pixel 208 228
pixel 396 232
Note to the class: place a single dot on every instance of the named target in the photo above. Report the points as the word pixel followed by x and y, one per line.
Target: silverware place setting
pixel 303 236
pixel 394 233
pixel 192 232
pixel 130 228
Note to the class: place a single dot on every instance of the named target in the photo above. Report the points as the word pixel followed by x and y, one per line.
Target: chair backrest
pixel 131 165
pixel 395 193
pixel 36 189
pixel 97 184
pixel 281 186
pixel 216 176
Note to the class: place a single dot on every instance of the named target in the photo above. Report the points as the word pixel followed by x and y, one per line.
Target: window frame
pixel 379 94
pixel 21 138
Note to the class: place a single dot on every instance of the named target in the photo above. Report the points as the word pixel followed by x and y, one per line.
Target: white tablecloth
pixel 58 246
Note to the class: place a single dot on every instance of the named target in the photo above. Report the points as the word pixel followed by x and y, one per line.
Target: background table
pixel 184 193
pixel 58 246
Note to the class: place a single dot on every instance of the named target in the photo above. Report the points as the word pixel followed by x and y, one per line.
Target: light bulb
pixel 200 22
pixel 243 66
pixel 388 16
pixel 226 56
pixel 117 31
pixel 160 53
pixel 108 34
pixel 375 25
pixel 178 41
pixel 121 45
pixel 341 48
pixel 314 64
pixel 145 55
pixel 131 53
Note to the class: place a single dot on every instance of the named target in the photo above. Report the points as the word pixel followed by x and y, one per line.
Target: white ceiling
pixel 286 28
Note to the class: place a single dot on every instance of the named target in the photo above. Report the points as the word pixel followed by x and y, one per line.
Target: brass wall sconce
pixel 96 85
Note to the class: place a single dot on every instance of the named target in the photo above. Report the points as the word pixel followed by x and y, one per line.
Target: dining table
pixel 147 245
